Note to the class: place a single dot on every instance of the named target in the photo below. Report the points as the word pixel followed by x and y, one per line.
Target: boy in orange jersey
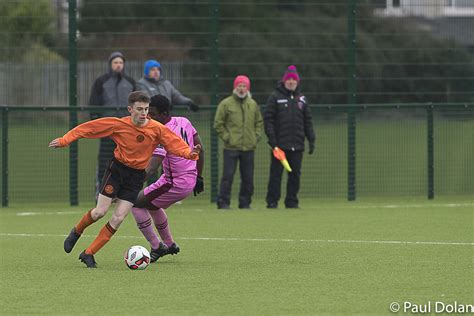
pixel 136 136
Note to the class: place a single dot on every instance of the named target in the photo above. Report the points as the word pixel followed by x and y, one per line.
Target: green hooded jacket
pixel 239 123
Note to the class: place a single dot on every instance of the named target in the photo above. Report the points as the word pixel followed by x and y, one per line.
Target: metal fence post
pixel 351 101
pixel 430 126
pixel 5 157
pixel 214 86
pixel 73 148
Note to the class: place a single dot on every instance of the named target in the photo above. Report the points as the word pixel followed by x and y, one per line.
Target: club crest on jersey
pixel 140 138
pixel 301 102
pixel 109 189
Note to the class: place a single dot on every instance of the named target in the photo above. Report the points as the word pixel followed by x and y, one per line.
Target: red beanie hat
pixel 290 73
pixel 242 79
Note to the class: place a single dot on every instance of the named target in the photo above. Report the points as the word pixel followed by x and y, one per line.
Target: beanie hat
pixel 242 79
pixel 150 64
pixel 115 55
pixel 290 73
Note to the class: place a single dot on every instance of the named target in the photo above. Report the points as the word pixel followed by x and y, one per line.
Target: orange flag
pixel 280 155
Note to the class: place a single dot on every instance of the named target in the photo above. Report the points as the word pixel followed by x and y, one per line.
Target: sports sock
pixel 143 219
pixel 104 236
pixel 161 223
pixel 85 221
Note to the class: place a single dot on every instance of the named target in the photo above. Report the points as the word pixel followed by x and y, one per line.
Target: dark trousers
pixel 293 185
pixel 246 164
pixel 106 152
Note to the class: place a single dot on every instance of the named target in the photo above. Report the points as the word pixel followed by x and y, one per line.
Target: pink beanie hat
pixel 242 79
pixel 290 73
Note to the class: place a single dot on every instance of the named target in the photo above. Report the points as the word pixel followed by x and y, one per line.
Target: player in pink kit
pixel 180 177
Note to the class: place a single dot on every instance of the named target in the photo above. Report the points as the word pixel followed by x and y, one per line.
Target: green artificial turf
pixel 327 257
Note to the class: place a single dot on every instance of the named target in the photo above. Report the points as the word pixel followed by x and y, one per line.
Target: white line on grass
pixel 47 213
pixel 415 205
pixel 314 207
pixel 340 241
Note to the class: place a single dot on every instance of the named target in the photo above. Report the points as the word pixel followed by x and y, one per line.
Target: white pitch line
pixel 338 241
pixel 390 206
pixel 47 213
pixel 413 205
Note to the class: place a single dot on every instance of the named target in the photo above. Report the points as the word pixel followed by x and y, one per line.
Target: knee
pixel 140 203
pixel 98 212
pixel 117 219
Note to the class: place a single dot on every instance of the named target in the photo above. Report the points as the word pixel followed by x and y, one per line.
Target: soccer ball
pixel 137 258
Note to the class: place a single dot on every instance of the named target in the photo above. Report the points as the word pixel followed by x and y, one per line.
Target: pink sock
pixel 161 223
pixel 143 219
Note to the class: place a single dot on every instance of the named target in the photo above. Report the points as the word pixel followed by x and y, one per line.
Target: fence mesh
pixel 393 51
pixel 346 51
pixel 391 155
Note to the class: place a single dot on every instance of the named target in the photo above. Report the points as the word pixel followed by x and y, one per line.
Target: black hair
pixel 161 104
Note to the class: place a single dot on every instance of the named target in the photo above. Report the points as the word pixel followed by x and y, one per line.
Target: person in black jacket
pixel 288 122
pixel 110 89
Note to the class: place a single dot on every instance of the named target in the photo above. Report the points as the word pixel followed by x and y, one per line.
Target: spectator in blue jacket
pixel 153 83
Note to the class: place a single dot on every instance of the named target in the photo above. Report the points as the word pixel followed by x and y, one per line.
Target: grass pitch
pixel 327 257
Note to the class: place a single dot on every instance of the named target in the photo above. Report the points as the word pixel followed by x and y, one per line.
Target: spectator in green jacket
pixel 239 124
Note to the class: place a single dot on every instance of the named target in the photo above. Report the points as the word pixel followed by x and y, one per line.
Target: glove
pixel 311 148
pixel 193 107
pixel 199 187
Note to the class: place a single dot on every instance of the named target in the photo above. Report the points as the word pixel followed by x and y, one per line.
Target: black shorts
pixel 121 181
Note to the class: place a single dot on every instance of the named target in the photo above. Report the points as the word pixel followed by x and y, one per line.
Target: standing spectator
pixel 110 89
pixel 239 124
pixel 288 121
pixel 154 84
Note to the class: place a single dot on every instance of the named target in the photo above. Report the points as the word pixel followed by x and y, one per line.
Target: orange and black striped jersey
pixel 135 144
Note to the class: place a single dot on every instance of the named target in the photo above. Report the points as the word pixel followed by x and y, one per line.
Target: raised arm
pixel 99 128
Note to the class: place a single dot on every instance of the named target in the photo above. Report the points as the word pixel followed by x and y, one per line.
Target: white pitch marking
pixel 46 213
pixel 412 205
pixel 317 207
pixel 338 241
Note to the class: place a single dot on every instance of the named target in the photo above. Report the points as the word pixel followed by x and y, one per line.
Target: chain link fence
pixel 352 53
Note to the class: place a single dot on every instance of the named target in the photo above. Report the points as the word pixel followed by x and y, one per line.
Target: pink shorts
pixel 164 194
